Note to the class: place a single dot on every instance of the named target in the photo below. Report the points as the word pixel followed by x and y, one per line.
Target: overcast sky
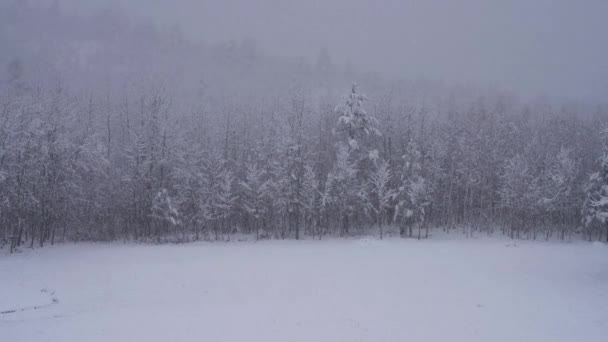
pixel 555 46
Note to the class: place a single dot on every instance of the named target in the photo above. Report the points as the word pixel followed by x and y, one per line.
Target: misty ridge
pixel 114 127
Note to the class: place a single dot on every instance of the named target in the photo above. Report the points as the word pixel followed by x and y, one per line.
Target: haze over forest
pixel 545 47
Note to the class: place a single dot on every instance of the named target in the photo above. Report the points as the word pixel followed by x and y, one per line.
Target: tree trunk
pixel 297 225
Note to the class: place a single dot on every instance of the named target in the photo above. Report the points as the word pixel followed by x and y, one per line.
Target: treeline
pixel 69 171
pixel 108 149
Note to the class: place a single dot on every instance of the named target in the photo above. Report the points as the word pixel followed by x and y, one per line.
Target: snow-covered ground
pixel 337 290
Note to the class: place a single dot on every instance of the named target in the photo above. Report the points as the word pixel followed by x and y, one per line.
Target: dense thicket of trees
pixel 179 141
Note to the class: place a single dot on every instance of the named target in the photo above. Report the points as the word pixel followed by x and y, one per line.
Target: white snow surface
pixel 335 290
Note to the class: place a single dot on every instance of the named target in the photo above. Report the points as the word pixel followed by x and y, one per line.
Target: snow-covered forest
pixel 114 129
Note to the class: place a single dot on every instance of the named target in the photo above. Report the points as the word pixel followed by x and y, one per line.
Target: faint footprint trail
pixel 52 296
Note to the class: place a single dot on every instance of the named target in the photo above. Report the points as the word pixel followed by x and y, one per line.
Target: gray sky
pixel 556 46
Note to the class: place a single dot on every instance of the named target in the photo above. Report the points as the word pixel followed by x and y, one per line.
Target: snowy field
pixel 338 290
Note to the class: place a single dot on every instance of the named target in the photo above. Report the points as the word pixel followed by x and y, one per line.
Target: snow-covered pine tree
pixel 419 195
pixel 253 193
pixel 163 210
pixel 347 180
pixel 519 193
pixel 414 193
pixel 355 126
pixel 343 187
pixel 595 208
pixel 221 195
pixel 294 159
pixel 380 192
pixel 557 188
pixel 326 203
pixel 311 199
